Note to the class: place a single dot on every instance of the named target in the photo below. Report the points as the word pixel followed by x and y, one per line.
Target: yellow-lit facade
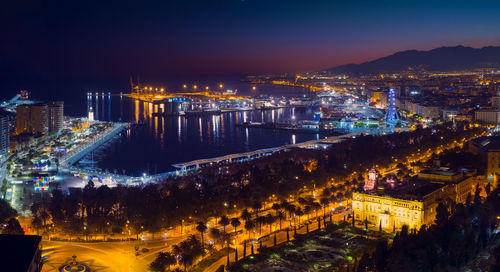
pixel 387 211
pixel 393 212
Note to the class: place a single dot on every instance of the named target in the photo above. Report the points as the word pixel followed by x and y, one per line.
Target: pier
pixel 196 164
pixel 74 155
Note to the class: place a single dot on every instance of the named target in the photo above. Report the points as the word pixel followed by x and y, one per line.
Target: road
pixel 120 256
pixel 105 256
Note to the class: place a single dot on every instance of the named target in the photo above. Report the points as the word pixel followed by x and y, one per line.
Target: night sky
pixel 118 38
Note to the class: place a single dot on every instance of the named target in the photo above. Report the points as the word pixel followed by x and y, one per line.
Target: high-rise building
pixel 40 118
pixel 32 118
pixel 24 95
pixel 56 116
pixel 4 135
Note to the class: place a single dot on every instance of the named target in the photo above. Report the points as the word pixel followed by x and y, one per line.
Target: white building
pixel 491 116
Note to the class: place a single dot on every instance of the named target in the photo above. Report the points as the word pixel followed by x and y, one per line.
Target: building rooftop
pixel 17 251
pixel 414 189
pixel 440 171
pixel 487 143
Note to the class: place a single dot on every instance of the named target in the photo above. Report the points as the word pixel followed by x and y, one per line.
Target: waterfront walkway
pixel 191 165
pixel 186 167
pixel 79 152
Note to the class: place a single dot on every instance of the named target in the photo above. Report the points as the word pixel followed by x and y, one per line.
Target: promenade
pixel 79 152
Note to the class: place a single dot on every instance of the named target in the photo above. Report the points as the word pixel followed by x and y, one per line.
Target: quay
pixel 298 127
pixel 196 164
pixel 187 167
pixel 74 155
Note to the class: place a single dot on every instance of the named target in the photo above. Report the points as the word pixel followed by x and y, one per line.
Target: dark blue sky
pixel 118 38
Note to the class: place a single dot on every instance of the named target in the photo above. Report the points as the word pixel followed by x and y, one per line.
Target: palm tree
pixel 169 259
pixel 333 199
pixel 186 260
pixel 276 207
pixel 307 210
pixel 156 266
pixel 224 221
pixel 270 219
pixel 315 206
pixel 280 217
pixel 302 201
pixel 201 228
pixel 245 215
pixel 256 207
pixel 189 250
pixel 339 196
pixel 299 213
pixel 235 222
pixel 249 225
pixel 163 259
pixel 214 233
pixel 326 192
pixel 260 220
pixel 325 201
pixel 290 209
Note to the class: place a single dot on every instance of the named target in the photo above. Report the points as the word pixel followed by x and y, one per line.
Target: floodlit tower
pixel 391 116
pixel 91 114
pixel 372 180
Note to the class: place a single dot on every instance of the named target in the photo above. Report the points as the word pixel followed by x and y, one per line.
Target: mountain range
pixel 444 59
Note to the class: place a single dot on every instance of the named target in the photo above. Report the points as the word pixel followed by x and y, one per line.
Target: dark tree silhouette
pixel 13 227
pixel 224 221
pixel 201 227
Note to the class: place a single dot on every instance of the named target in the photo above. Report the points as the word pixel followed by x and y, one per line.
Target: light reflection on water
pixel 161 141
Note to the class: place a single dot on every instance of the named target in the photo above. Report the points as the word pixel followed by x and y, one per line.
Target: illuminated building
pixel 392 204
pixel 372 180
pixel 40 118
pixel 489 116
pixel 32 118
pixel 56 116
pixel 448 114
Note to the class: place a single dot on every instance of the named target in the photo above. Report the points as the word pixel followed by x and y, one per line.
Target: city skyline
pixel 250 135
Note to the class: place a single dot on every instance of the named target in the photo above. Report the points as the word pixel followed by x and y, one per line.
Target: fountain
pixel 74 266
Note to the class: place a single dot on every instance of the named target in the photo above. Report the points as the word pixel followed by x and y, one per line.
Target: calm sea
pixel 163 141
